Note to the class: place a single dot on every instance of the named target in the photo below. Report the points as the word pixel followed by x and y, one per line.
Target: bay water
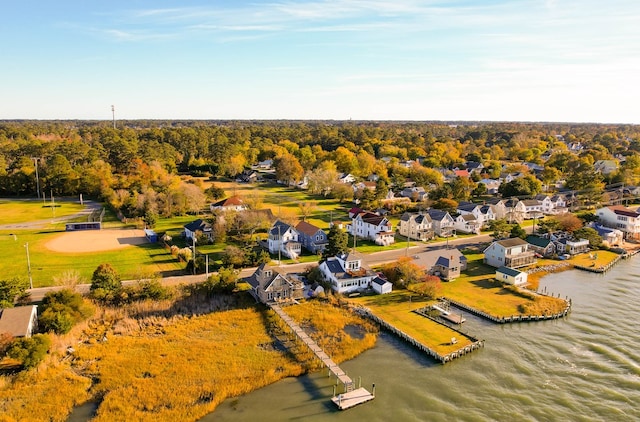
pixel 584 367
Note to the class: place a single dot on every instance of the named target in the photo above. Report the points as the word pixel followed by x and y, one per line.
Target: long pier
pixel 352 396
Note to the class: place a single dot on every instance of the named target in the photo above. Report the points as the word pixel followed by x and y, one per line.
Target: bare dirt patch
pixel 96 240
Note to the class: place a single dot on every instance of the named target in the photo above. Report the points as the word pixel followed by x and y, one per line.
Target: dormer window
pixel 267 273
pixel 353 265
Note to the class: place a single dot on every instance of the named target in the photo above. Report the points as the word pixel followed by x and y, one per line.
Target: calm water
pixel 585 367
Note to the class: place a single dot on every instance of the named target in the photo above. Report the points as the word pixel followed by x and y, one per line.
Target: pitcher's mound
pixel 96 240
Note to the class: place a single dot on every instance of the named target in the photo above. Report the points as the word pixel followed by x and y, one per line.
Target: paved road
pixel 372 259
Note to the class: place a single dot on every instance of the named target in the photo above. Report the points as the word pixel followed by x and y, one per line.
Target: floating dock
pixel 352 398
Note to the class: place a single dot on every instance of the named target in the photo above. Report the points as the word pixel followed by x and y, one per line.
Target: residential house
pixel 416 226
pixel 514 210
pixel 499 208
pixel 532 209
pixel 446 263
pixel 268 284
pixel 627 220
pixel 284 239
pixel 197 228
pixel 511 276
pixel 512 253
pixel 546 203
pixel 416 193
pixel 605 167
pixel 610 237
pixel 442 222
pixel 234 203
pixel 467 223
pixel 461 173
pixel 312 238
pixel 572 246
pixel 541 245
pixel 248 176
pixel 21 321
pixel 266 164
pixel 372 226
pixel 484 214
pixel 558 204
pixel 492 185
pixel 347 273
pixel 474 167
pixel 346 178
pixel 615 197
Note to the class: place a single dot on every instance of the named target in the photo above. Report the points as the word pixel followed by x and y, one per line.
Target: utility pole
pixel 26 245
pixel 35 160
pixel 279 246
pixel 113 114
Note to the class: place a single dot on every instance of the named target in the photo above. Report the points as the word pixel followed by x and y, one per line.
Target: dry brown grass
pixel 168 360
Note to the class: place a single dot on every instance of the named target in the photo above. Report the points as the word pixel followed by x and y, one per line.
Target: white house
pixel 625 219
pixel 511 276
pixel 197 228
pixel 512 252
pixel 416 226
pixel 467 223
pixel 483 213
pixel 368 225
pixel 346 178
pixel 347 273
pixel 21 321
pixel 284 239
pixel 605 166
pixel 233 203
pixel 532 209
pixel 610 237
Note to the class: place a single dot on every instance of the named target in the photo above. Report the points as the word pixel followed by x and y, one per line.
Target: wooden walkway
pixel 351 396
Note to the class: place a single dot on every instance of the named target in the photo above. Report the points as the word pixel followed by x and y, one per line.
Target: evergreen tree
pixel 338 241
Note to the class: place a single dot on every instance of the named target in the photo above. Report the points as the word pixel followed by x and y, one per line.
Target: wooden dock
pixel 351 396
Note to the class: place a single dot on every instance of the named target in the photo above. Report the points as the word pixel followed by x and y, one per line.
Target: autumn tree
pixel 288 169
pixel 569 222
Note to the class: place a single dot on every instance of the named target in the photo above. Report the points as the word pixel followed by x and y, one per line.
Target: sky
pixel 491 60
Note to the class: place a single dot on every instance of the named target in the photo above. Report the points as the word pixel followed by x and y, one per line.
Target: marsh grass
pixel 169 360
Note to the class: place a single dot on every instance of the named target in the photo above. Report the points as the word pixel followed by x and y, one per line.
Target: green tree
pixel 501 229
pixel 338 242
pixel 10 289
pixel 591 234
pixel 30 351
pixel 105 283
pixel 517 231
pixel 522 186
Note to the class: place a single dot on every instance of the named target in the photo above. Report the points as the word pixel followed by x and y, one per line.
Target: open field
pixel 18 211
pixel 396 308
pixel 157 364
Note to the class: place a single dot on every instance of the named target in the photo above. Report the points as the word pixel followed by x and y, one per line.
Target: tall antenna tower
pixel 113 114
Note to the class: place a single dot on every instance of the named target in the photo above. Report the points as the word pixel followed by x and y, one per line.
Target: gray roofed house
pixel 21 321
pixel 347 272
pixel 416 226
pixel 443 223
pixel 513 252
pixel 284 239
pixel 197 228
pixel 446 263
pixel 269 284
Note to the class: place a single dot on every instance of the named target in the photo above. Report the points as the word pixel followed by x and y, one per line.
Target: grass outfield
pixel 15 211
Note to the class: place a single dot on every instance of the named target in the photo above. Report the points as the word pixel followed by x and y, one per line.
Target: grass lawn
pixel 15 211
pixel 396 308
pixel 594 259
pixel 478 288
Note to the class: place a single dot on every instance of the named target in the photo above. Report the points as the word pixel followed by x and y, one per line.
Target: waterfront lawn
pixel 16 211
pixel 479 289
pixel 396 309
pixel 595 259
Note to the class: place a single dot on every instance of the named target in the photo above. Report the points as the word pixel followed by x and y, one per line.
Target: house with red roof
pixel 372 226
pixel 625 219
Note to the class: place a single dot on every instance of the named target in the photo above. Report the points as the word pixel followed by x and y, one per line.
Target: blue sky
pixel 518 60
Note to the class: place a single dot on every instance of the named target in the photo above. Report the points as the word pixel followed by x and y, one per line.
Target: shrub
pixel 61 309
pixel 11 289
pixel 429 287
pixel 30 351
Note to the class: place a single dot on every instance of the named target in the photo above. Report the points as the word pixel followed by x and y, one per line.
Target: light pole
pixel 26 245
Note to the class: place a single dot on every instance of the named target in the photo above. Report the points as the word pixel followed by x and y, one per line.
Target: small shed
pixel 21 321
pixel 381 286
pixel 151 235
pixel 511 276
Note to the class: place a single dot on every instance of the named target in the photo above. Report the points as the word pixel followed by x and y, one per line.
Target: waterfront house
pixel 541 245
pixel 21 321
pixel 312 238
pixel 570 246
pixel 416 226
pixel 268 284
pixel 627 220
pixel 511 276
pixel 610 237
pixel 446 263
pixel 347 272
pixel 513 252
pixel 284 239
